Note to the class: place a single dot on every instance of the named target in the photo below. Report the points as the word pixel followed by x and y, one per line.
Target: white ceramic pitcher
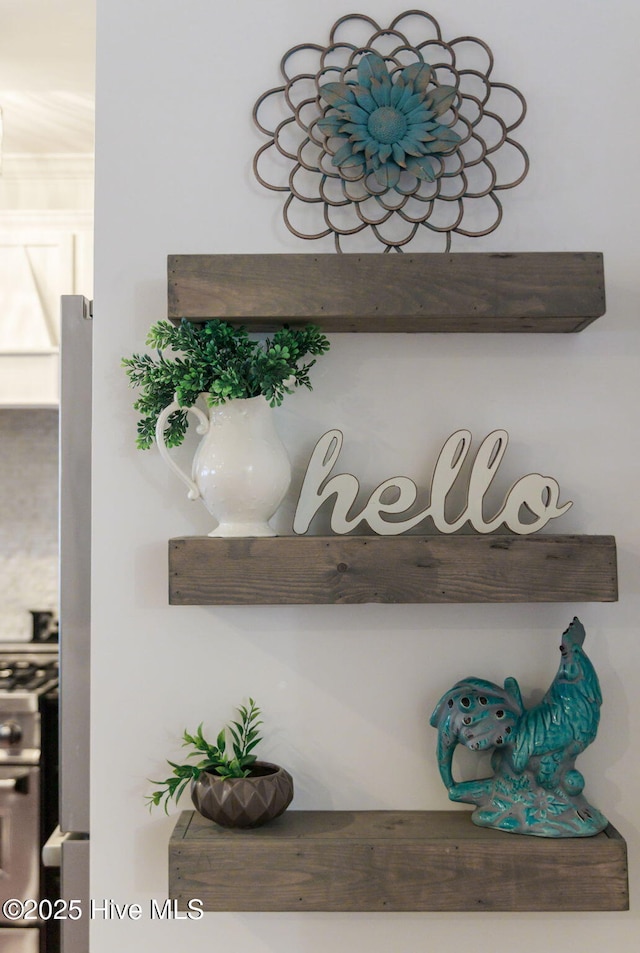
pixel 240 470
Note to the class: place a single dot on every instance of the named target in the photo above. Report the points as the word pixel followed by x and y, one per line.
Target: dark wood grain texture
pixel 532 291
pixel 392 861
pixel 301 570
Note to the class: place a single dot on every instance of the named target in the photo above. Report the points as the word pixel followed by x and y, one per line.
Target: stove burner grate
pixel 27 675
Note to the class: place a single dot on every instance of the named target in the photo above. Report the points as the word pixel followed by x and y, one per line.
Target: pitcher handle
pixel 202 428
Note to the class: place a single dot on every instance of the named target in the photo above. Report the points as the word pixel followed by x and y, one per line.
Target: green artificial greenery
pixel 219 360
pixel 244 738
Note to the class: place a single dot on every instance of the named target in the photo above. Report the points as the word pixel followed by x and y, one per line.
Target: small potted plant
pixel 228 784
pixel 241 470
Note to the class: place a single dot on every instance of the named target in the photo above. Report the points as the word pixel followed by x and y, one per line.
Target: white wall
pixel 347 690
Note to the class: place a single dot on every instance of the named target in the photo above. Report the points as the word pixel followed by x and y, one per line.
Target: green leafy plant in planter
pixel 229 785
pixel 220 361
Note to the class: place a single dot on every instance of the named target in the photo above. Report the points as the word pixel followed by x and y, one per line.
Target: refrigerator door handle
pixel 75 560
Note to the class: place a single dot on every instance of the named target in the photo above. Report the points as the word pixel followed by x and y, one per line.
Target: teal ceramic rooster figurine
pixel 535 788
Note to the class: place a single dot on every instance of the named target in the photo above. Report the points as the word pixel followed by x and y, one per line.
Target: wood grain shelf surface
pixel 469 291
pixel 305 570
pixel 391 861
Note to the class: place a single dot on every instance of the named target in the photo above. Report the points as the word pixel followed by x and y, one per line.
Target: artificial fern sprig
pixel 220 361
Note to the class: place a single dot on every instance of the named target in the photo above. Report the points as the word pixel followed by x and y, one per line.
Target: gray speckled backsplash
pixel 28 518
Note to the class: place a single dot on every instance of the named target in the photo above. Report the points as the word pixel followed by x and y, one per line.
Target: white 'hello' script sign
pixel 537 494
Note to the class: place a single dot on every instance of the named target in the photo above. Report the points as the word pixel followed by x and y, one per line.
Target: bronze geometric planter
pixel 244 802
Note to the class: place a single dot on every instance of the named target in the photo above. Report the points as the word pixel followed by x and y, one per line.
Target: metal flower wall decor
pixel 385 127
pixel 393 132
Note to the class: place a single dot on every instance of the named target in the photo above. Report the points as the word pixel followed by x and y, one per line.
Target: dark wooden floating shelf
pixel 391 861
pixel 524 291
pixel 304 570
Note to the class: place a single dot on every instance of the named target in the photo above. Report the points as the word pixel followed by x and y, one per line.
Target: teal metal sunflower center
pixel 387 125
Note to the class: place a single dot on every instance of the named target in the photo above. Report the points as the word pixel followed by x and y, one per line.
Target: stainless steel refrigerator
pixel 69 845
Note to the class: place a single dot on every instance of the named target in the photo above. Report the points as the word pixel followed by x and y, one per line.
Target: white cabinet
pixel 38 264
pixel 29 380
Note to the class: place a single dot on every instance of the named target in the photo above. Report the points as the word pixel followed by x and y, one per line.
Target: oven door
pixel 18 940
pixel 19 841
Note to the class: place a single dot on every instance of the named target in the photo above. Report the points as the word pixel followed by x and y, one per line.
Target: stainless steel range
pixel 28 793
